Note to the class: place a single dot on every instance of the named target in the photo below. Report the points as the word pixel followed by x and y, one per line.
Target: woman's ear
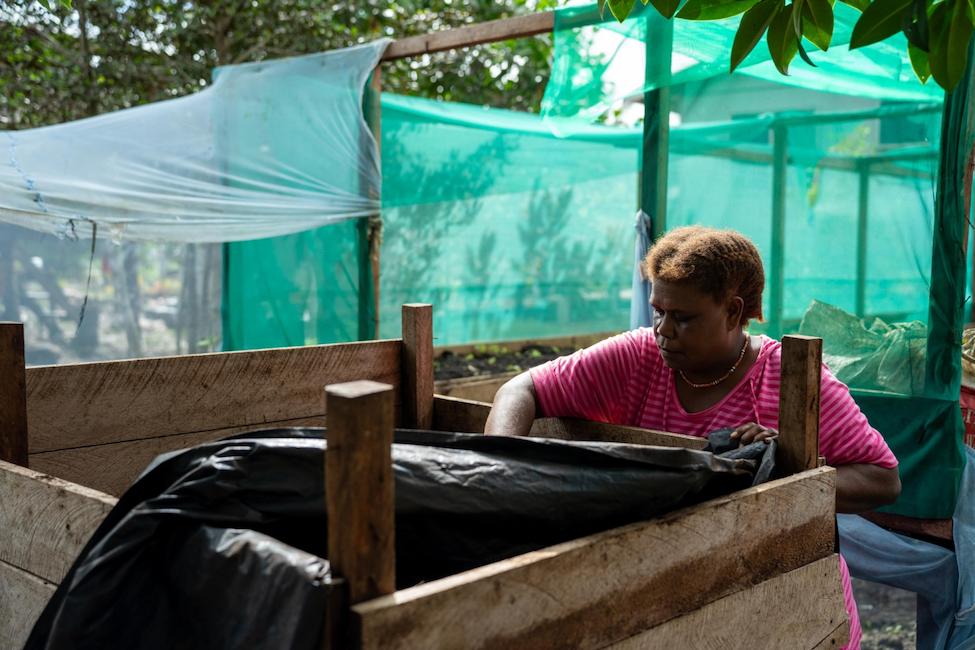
pixel 736 309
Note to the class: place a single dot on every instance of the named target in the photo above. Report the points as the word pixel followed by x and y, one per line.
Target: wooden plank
pixel 23 597
pixel 417 380
pixel 359 487
pixel 802 362
pixel 373 116
pixel 13 396
pixel 469 416
pixel 94 403
pixel 459 415
pixel 755 618
pixel 480 389
pixel 487 32
pixel 940 530
pixel 46 521
pixel 113 467
pixel 573 429
pixel 601 589
pixel 836 639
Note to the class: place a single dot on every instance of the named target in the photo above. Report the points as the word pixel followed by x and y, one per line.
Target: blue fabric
pixel 944 581
pixel 640 302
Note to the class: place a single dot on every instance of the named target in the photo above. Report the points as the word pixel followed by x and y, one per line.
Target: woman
pixel 698 370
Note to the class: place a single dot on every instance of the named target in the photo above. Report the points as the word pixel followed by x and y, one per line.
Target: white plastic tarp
pixel 222 164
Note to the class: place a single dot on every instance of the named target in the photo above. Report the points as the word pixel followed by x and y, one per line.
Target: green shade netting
pixel 599 62
pixel 514 232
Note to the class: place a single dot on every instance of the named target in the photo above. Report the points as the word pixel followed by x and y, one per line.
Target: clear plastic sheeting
pixel 268 149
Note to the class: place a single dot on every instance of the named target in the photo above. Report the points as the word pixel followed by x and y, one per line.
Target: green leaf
pixel 802 53
pixel 795 11
pixel 753 24
pixel 782 40
pixel 665 8
pixel 882 19
pixel 916 30
pixel 714 9
pixel 859 5
pixel 951 31
pixel 621 8
pixel 817 24
pixel 919 61
pixel 601 5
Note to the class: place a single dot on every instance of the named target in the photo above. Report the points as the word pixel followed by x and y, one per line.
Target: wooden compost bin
pixel 757 568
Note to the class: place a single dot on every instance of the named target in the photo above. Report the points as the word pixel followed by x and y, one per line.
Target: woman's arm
pixel 859 486
pixel 862 487
pixel 514 408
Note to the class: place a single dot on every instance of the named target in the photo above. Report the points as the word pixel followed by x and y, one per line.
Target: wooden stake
pixel 13 395
pixel 417 380
pixel 373 116
pixel 359 487
pixel 802 358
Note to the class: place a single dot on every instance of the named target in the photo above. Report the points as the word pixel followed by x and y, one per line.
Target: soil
pixel 491 360
pixel 887 615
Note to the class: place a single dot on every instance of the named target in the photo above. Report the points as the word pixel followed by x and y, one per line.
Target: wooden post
pixel 369 229
pixel 13 395
pixel 802 358
pixel 776 279
pixel 417 379
pixel 373 116
pixel 359 487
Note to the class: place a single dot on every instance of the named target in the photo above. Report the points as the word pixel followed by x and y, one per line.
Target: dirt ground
pixel 887 615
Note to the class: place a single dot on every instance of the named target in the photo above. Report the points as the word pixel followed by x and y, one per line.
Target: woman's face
pixel 694 331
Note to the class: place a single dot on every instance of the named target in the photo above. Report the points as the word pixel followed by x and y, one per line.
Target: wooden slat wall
pixel 44 524
pixel 22 599
pixel 80 405
pixel 45 521
pixel 815 616
pixel 573 429
pixel 605 588
pixel 113 467
pixel 468 416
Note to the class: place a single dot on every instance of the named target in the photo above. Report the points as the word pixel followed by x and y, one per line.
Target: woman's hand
pixel 752 432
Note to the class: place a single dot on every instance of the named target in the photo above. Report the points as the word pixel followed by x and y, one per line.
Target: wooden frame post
pixel 802 359
pixel 369 229
pixel 13 394
pixel 417 380
pixel 359 487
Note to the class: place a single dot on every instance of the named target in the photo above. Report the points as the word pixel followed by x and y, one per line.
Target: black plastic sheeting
pixel 222 545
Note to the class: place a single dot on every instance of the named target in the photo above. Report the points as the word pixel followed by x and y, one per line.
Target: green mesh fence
pixel 512 231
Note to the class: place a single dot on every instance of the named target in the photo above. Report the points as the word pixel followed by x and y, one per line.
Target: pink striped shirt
pixel 624 380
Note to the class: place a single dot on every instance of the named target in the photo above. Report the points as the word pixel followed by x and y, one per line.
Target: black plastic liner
pixel 222 545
